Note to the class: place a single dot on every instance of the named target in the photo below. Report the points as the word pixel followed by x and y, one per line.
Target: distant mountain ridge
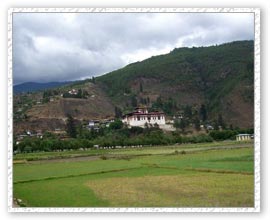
pixel 34 86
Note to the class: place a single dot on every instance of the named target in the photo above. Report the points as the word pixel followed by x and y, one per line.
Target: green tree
pixel 117 124
pixel 80 94
pixel 183 125
pixel 203 112
pixel 159 103
pixel 180 123
pixel 221 121
pixel 215 125
pixel 188 111
pixel 141 87
pixel 117 112
pixel 168 106
pixel 197 124
pixel 71 128
pixel 134 102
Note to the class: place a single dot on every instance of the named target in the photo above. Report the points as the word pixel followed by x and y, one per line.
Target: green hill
pixel 212 84
pixel 219 77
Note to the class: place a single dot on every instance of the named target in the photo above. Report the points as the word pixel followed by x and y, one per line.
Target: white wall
pixel 133 121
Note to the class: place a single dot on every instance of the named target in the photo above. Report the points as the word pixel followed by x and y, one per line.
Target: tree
pixel 127 90
pixel 203 113
pixel 148 100
pixel 159 102
pixel 117 124
pixel 180 124
pixel 168 106
pixel 197 124
pixel 134 101
pixel 183 125
pixel 141 87
pixel 71 129
pixel 188 111
pixel 79 95
pixel 215 125
pixel 221 121
pixel 117 112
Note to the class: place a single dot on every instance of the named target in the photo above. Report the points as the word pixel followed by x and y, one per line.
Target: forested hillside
pixel 201 86
pixel 218 77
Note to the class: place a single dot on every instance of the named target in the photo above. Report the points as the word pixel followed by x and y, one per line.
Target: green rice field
pixel 193 175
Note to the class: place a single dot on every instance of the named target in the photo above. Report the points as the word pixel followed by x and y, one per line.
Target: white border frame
pixel 256 12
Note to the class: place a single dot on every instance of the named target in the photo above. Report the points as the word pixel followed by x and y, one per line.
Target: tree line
pixel 117 134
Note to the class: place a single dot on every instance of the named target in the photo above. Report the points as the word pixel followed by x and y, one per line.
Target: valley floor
pixel 193 175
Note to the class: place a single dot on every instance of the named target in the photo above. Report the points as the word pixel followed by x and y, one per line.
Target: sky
pixel 71 46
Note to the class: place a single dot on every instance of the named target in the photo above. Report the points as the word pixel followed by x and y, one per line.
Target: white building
pixel 93 124
pixel 73 92
pixel 141 116
pixel 244 137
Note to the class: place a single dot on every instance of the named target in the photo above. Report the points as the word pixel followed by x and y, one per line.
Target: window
pixel 149 118
pixel 138 118
pixel 158 117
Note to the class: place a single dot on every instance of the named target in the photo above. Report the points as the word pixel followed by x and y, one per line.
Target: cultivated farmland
pixel 199 175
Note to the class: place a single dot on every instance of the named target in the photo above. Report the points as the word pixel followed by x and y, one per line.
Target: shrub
pixel 223 135
pixel 103 157
pixel 117 124
pixel 182 152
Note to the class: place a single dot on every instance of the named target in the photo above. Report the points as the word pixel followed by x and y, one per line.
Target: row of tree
pixel 112 139
pixel 118 135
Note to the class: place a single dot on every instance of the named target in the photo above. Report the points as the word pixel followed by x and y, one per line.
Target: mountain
pixel 213 84
pixel 218 77
pixel 34 86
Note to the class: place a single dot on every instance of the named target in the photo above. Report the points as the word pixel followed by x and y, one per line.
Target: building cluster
pixel 140 117
pixel 97 124
pixel 73 92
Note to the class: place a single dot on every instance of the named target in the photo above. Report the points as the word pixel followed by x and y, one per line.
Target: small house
pixel 93 124
pixel 73 92
pixel 244 137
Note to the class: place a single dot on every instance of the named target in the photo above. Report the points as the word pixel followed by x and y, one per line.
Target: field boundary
pixel 71 176
pixel 192 150
pixel 207 170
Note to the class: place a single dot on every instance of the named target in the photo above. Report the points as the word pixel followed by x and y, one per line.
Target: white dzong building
pixel 141 116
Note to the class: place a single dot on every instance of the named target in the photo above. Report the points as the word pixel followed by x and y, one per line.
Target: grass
pixel 185 190
pixel 123 151
pixel 210 178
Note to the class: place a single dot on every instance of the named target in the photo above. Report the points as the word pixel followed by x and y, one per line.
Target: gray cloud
pixel 61 46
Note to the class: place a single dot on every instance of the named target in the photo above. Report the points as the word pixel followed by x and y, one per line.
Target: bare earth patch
pixel 198 190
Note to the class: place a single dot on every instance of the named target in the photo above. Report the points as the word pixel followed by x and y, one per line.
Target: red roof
pixel 145 114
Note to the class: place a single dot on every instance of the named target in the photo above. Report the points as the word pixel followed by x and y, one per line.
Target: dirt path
pixel 65 160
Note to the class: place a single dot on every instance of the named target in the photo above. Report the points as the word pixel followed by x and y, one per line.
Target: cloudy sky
pixel 69 46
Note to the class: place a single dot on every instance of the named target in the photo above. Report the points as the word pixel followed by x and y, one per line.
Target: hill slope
pixel 48 110
pixel 220 77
